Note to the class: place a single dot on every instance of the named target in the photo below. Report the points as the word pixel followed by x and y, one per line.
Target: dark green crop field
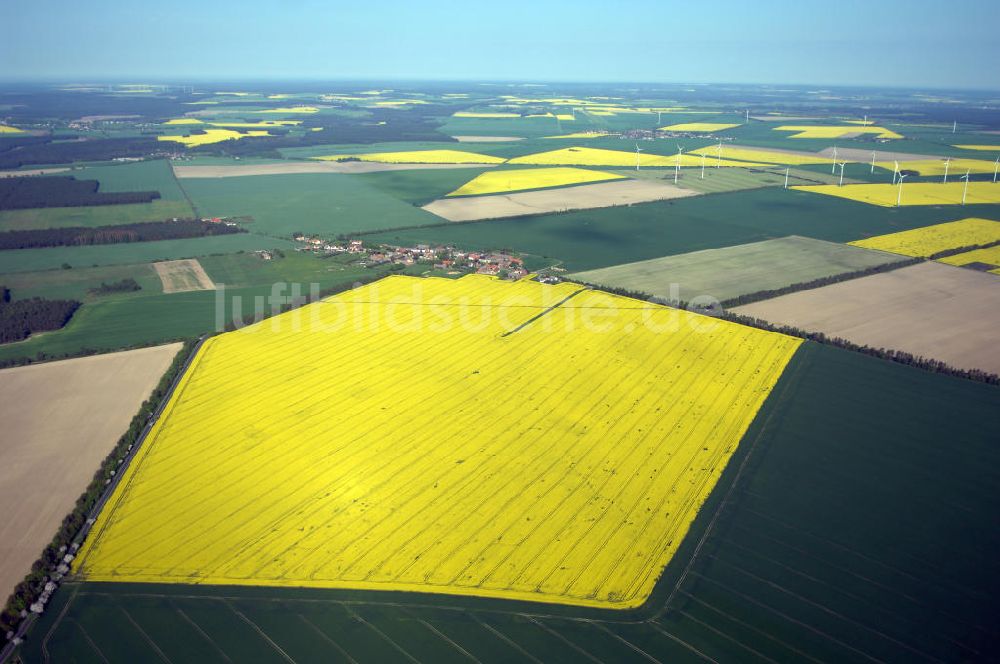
pixel 802 553
pixel 590 239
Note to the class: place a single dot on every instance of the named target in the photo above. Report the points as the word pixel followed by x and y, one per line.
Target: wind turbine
pixel 833 168
pixel 895 171
pixel 899 196
pixel 842 164
pixel 659 118
pixel 947 162
pixel 873 161
pixel 637 151
pixel 954 126
pixel 865 123
pixel 702 165
pixel 718 164
pixel 787 168
pixel 965 190
pixel 677 164
pixel 748 116
pixel 995 169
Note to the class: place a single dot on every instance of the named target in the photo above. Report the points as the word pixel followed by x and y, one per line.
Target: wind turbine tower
pixel 947 163
pixel 637 151
pixel 899 196
pixel 965 189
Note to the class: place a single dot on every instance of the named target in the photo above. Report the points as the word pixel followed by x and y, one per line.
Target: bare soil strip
pixel 183 276
pixel 604 194
pixel 60 419
pixel 290 167
pixel 857 154
pixel 487 139
pixel 938 311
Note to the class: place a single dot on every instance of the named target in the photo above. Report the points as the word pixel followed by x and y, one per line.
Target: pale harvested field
pixel 487 139
pixel 583 197
pixel 292 167
pixel 857 154
pixel 938 311
pixel 732 271
pixel 60 420
pixel 34 171
pixel 183 276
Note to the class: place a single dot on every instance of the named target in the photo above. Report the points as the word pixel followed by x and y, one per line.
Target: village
pixel 443 258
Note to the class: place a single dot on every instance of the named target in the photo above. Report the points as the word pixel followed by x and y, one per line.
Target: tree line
pixel 150 231
pixel 46 192
pixel 21 318
pixel 126 285
pixel 47 567
pixel 44 151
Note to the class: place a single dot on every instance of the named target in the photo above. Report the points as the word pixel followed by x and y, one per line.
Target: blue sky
pixel 832 42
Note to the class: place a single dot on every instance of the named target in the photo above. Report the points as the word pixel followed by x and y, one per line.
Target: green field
pixel 590 239
pixel 805 555
pixel 50 258
pixel 326 203
pixel 731 271
pixel 75 283
pixel 94 215
pixel 148 316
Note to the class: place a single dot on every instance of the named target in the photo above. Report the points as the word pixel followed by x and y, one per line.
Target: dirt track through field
pixel 583 197
pixel 294 167
pixel 183 276
pixel 487 139
pixel 60 420
pixel 938 311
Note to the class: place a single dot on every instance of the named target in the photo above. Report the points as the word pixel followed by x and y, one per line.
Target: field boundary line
pixel 789 618
pixel 326 637
pixel 726 636
pixel 90 641
pixel 542 313
pixel 506 639
pixel 55 625
pixel 201 632
pixel 750 627
pixel 152 644
pixel 793 379
pixel 567 641
pixel 824 608
pixel 385 636
pixel 260 631
pixel 629 643
pixel 676 639
pixel 445 638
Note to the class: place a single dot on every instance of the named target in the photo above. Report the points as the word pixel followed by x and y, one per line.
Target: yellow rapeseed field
pixel 210 136
pixel 262 123
pixel 184 121
pixel 493 182
pixel 577 156
pixel 929 240
pixel 824 131
pixel 766 156
pixel 956 168
pixel 473 437
pixel 987 256
pixel 6 129
pixel 699 126
pixel 984 148
pixel 419 157
pixel 914 193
